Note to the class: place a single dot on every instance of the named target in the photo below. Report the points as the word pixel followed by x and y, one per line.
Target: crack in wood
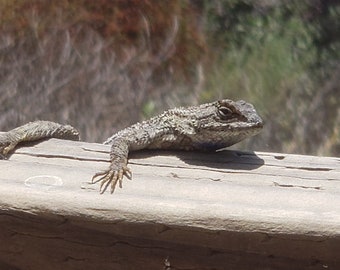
pixel 296 186
pixel 309 168
pixel 66 157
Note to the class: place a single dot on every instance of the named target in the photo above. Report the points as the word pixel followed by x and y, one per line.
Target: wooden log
pixel 182 210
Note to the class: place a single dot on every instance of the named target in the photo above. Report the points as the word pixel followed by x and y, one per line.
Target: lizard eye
pixel 224 112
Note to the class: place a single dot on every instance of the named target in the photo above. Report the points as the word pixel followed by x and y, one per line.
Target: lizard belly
pixel 187 143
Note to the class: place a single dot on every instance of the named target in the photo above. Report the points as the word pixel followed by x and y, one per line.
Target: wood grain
pixel 182 210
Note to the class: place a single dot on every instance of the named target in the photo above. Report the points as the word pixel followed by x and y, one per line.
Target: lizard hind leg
pixel 6 147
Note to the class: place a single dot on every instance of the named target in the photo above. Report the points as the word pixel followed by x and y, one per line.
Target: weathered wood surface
pixel 226 210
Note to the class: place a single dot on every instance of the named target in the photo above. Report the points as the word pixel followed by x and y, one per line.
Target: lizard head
pixel 239 114
pixel 226 122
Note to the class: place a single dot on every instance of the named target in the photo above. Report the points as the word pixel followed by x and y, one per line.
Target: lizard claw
pixel 110 177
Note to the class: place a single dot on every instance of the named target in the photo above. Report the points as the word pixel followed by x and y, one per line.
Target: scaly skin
pixel 34 131
pixel 207 127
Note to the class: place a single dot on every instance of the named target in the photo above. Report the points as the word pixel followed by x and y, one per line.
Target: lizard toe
pixel 100 176
pixel 106 180
pixel 116 178
pixel 127 172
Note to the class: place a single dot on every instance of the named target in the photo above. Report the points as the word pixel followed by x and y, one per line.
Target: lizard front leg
pixel 117 169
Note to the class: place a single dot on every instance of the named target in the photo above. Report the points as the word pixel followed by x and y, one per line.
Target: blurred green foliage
pixel 280 56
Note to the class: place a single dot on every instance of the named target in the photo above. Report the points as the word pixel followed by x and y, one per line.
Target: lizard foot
pixel 110 177
pixel 5 148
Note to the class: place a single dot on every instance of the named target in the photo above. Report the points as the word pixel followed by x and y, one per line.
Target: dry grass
pixel 89 66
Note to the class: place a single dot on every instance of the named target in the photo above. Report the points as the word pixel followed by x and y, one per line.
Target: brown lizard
pixel 206 127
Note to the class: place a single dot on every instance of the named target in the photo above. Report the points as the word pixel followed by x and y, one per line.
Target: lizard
pixel 206 127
